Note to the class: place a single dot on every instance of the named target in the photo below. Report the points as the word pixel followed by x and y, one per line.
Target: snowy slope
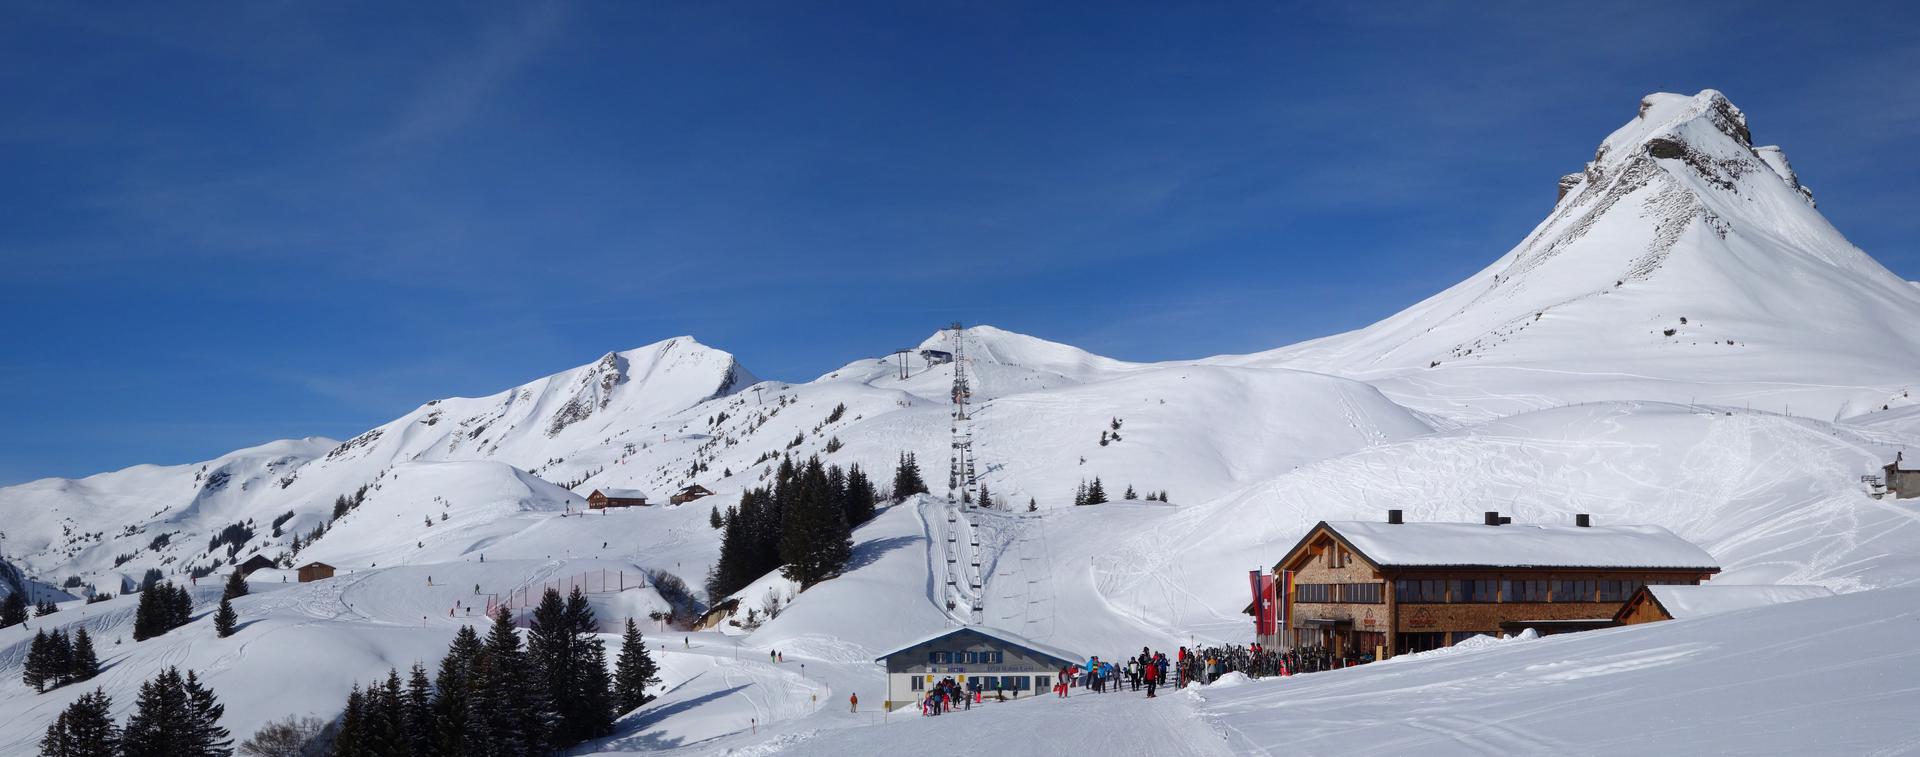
pixel 1682 264
pixel 1775 499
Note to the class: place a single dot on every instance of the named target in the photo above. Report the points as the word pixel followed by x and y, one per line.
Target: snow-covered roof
pixel 1520 545
pixel 996 634
pixel 623 493
pixel 1709 599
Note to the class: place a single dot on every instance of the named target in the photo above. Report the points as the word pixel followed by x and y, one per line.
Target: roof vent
pixel 1493 517
pixel 1393 517
pixel 1583 520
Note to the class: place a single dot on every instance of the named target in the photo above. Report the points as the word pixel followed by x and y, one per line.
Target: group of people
pixel 1152 670
pixel 946 696
pixel 1149 670
pixel 1258 662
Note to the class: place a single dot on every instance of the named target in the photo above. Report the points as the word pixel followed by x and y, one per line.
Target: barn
pixel 315 571
pixel 999 661
pixel 1656 603
pixel 602 499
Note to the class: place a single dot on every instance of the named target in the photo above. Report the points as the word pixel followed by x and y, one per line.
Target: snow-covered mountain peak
pixel 1681 256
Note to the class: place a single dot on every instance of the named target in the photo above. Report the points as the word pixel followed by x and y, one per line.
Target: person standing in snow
pixel 1152 676
pixel 853 703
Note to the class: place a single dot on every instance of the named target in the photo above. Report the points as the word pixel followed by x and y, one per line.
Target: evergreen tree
pixel 13 610
pixel 45 608
pixel 205 736
pixel 591 696
pixel 37 672
pixel 59 658
pixel 452 708
pixel 727 574
pixel 225 619
pixel 906 478
pixel 1096 494
pixel 161 722
pixel 861 498
pixel 1033 505
pixel 1129 494
pixel 383 723
pixel 236 586
pixel 146 616
pixel 348 739
pixel 551 659
pixel 714 519
pixel 986 497
pixel 511 712
pixel 1080 493
pixel 86 664
pixel 56 743
pixel 815 542
pixel 419 724
pixel 85 729
pixel 181 609
pixel 635 671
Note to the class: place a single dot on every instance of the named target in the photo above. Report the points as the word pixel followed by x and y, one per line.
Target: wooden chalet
pixel 315 571
pixel 1363 588
pixel 602 499
pixel 1656 603
pixel 689 494
pixel 256 562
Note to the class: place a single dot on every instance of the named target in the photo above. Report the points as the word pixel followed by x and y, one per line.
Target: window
pixel 940 658
pixel 1360 593
pixel 1041 682
pixel 990 658
pixel 1573 591
pixel 1618 591
pixel 1420 591
pixel 917 683
pixel 1313 593
pixel 1478 590
pixel 1524 590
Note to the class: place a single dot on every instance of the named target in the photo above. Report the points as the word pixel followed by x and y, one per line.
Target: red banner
pixel 1255 582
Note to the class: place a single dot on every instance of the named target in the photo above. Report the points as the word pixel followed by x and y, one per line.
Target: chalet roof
pixel 260 560
pixel 1057 654
pixel 1519 546
pixel 1709 599
pixel 623 493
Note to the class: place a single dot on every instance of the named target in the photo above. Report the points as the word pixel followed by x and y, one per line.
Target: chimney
pixel 1583 520
pixel 1493 517
pixel 1393 517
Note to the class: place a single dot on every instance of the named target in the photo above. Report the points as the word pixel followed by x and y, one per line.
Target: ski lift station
pixel 998 661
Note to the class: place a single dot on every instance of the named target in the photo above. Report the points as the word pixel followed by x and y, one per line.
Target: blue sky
pixel 241 222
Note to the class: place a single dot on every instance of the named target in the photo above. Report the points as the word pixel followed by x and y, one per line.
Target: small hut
pixel 315 571
pixel 256 562
pixel 689 494
pixel 1903 479
pixel 602 499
